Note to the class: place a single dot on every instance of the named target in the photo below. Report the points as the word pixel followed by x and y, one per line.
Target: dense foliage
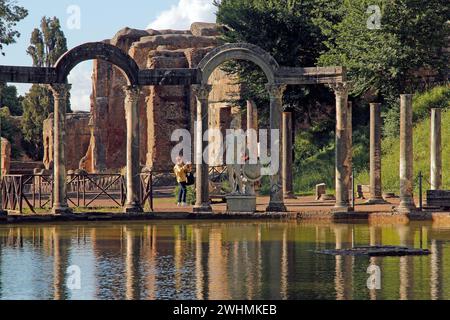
pixel 397 54
pixel 10 99
pixel 10 15
pixel 285 29
pixel 47 44
pixel 404 55
pixel 438 97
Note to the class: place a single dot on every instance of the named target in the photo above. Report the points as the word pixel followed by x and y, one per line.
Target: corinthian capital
pixel 276 90
pixel 340 88
pixel 131 93
pixel 60 90
pixel 201 91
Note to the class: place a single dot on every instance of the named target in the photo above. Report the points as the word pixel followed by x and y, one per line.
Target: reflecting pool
pixel 217 260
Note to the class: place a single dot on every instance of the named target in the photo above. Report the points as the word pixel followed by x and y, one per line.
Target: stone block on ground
pixel 321 189
pixel 438 198
pixel 241 203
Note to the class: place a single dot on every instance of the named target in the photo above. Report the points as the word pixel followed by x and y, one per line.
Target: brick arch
pixel 238 51
pixel 101 51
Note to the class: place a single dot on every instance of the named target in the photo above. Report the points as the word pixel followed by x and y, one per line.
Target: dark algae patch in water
pixel 377 251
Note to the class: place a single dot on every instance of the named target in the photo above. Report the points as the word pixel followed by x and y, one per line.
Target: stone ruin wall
pixel 98 144
pixel 78 137
pixel 163 109
pixel 5 157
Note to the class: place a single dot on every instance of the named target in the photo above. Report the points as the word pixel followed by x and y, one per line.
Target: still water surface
pixel 218 260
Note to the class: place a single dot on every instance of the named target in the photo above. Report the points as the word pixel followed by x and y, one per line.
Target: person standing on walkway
pixel 181 171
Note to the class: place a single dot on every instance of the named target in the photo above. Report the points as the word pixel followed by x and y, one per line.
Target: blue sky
pixel 99 20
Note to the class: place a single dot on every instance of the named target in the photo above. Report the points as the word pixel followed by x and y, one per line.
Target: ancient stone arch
pixel 238 51
pixel 277 76
pixel 215 58
pixel 97 50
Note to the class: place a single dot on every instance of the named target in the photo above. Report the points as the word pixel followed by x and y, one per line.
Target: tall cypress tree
pixel 47 44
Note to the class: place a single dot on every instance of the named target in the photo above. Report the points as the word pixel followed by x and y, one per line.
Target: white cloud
pixel 81 80
pixel 184 14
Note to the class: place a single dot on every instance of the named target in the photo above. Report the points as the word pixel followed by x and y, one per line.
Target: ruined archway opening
pixel 233 108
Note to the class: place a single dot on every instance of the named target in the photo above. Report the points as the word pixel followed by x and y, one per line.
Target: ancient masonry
pixel 97 142
pixel 78 138
pixel 5 156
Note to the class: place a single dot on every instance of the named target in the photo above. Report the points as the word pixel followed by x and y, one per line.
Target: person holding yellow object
pixel 181 171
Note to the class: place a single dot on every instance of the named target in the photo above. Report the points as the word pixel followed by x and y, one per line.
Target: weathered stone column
pixel 350 149
pixel 288 189
pixel 2 212
pixel 436 150
pixel 406 155
pixel 202 203
pixel 60 94
pixel 343 167
pixel 376 196
pixel 133 203
pixel 276 109
pixel 251 124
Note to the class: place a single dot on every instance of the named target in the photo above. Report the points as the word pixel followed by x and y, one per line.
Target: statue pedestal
pixel 241 203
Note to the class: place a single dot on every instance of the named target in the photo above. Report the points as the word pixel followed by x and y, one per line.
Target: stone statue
pixel 241 173
pixel 235 168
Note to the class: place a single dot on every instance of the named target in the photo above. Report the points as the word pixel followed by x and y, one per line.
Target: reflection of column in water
pixel 284 266
pixel 349 272
pixel 404 276
pixel 373 292
pixel 373 236
pixel 235 262
pixel 59 266
pixel 199 277
pixel 436 270
pixel 338 233
pixel 349 264
pixel 217 264
pixel 151 251
pixel 129 268
pixel 178 257
pixel 48 241
pixel 259 264
pixel 317 238
pixel 339 279
pixel 339 276
pixel 375 240
pixel 249 273
pixel 56 266
pixel 405 264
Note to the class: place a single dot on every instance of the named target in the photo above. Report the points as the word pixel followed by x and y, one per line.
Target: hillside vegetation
pixel 318 167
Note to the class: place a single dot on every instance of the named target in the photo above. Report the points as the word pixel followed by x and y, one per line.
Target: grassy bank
pixel 391 154
pixel 319 167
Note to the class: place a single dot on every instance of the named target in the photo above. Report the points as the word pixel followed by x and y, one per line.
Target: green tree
pixel 38 104
pixel 9 98
pixel 383 62
pixel 47 44
pixel 10 130
pixel 10 15
pixel 286 29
